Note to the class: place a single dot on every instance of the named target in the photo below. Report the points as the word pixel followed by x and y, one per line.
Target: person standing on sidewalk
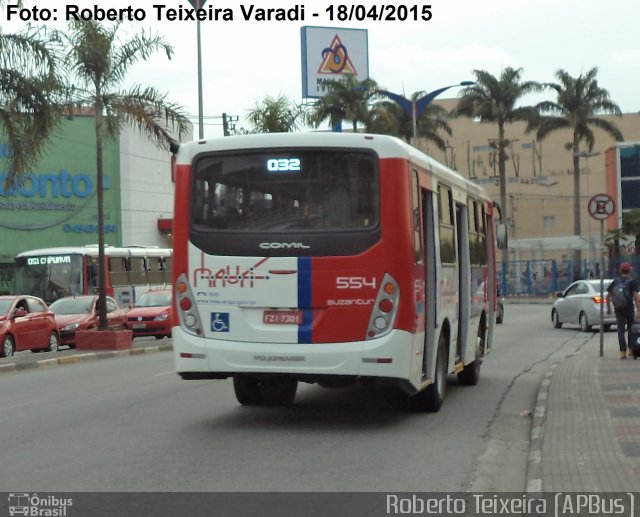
pixel 623 291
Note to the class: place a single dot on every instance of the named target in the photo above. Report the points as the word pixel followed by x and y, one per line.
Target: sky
pixel 245 61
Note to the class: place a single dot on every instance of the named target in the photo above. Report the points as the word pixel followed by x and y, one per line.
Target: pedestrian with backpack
pixel 622 292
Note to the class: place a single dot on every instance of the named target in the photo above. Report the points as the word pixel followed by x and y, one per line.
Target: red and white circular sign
pixel 601 206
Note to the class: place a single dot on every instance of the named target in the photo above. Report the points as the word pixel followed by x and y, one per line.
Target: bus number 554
pixel 355 282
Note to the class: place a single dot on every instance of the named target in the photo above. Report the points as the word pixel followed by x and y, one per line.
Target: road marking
pixel 164 373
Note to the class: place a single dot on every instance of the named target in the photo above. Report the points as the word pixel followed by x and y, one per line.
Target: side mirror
pixel 19 313
pixel 558 294
pixel 502 240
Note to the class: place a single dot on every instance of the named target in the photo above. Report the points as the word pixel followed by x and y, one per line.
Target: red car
pixel 26 323
pixel 74 313
pixel 152 315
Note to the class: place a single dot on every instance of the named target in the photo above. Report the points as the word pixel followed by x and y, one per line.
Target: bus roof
pixel 92 249
pixel 384 145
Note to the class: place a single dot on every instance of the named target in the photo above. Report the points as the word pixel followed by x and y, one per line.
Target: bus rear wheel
pixel 432 397
pixel 470 375
pixel 247 390
pixel 278 391
pixel 269 391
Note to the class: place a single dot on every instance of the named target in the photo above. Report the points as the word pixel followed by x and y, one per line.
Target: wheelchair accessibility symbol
pixel 220 321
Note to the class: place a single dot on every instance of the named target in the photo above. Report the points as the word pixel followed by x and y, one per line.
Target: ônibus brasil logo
pixel 36 506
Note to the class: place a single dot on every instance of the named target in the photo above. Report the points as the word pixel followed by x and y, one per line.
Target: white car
pixel 579 304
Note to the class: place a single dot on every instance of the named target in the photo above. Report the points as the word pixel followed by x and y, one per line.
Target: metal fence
pixel 547 277
pixel 6 278
pixel 529 278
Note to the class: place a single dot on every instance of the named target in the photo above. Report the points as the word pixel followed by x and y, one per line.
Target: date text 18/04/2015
pixel 249 12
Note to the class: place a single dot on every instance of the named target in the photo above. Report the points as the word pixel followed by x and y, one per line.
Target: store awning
pixel 165 225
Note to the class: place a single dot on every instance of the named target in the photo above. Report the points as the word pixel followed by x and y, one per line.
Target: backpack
pixel 620 295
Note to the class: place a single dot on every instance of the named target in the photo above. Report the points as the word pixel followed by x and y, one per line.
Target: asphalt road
pixel 131 424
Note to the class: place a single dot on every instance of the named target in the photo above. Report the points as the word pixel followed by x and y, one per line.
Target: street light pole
pixel 200 108
pixel 577 267
pixel 415 107
pixel 199 4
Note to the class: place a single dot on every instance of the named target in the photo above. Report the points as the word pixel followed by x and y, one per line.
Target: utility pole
pixel 225 125
pixel 228 124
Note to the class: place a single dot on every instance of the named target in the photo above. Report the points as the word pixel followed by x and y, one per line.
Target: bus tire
pixel 432 397
pixel 470 375
pixel 247 390
pixel 278 391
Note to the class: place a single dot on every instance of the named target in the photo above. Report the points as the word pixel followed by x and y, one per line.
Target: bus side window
pixel 137 271
pixel 447 228
pixel 168 262
pixel 118 271
pixel 155 273
pixel 92 275
pixel 416 216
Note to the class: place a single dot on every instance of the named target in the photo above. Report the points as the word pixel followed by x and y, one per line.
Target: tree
pixel 388 117
pixel 346 99
pixel 279 115
pixel 493 100
pixel 99 60
pixel 579 100
pixel 631 227
pixel 612 242
pixel 29 89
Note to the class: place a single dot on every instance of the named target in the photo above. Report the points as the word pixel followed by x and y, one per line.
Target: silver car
pixel 580 304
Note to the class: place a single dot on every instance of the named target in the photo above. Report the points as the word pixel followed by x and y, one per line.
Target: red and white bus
pixel 52 273
pixel 329 258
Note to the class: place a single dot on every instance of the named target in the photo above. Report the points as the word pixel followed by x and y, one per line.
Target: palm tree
pixel 29 86
pixel 579 100
pixel 345 100
pixel 99 60
pixel 493 100
pixel 388 117
pixel 612 242
pixel 631 226
pixel 279 115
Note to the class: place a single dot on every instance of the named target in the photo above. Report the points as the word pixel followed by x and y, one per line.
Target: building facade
pixel 539 175
pixel 56 203
pixel 622 168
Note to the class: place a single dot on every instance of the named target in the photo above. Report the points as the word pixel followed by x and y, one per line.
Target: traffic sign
pixel 601 206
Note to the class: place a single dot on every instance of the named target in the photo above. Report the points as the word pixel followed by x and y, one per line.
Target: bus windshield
pixel 275 190
pixel 49 277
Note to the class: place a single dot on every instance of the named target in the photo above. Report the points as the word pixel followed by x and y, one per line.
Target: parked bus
pixel 329 258
pixel 53 273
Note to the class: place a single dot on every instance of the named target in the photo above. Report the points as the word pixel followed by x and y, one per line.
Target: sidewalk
pixel 28 360
pixel 585 435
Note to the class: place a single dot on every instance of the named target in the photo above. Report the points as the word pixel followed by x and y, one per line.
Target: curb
pixel 534 458
pixel 82 358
